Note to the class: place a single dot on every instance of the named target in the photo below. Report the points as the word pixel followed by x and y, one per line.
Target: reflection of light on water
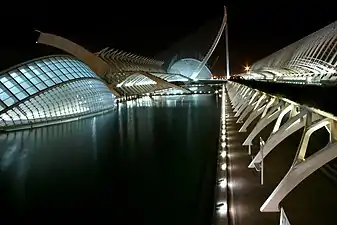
pixel 224 166
pixel 15 160
pixel 223 183
pixel 22 169
pixel 8 157
pixel 22 162
pixel 222 208
pixel 94 137
pixel 16 153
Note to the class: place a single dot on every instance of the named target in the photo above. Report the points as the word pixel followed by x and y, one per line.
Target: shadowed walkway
pixel 312 202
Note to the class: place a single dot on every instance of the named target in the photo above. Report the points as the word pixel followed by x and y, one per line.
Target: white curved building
pixel 187 67
pixel 48 89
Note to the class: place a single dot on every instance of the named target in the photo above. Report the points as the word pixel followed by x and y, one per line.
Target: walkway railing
pixel 251 104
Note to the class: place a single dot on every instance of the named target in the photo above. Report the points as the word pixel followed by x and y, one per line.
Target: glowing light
pixel 230 184
pixel 223 154
pixel 223 137
pixel 223 183
pixel 223 132
pixel 222 208
pixel 247 68
pixel 223 144
pixel 223 166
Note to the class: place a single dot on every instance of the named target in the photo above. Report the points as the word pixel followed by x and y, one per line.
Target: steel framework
pixel 312 59
pixel 49 89
pixel 115 66
pixel 251 104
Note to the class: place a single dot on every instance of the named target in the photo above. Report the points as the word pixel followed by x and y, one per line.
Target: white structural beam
pixel 298 116
pixel 302 168
pixel 312 59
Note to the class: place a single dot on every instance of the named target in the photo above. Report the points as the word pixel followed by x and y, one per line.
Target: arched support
pixel 292 125
pixel 302 167
pixel 272 115
pixel 245 103
pixel 235 95
pixel 241 99
pixel 281 116
pixel 269 104
pixel 251 118
pixel 251 106
pixel 95 63
pixel 163 83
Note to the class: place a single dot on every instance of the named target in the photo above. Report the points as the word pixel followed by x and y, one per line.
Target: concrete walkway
pixel 244 183
pixel 313 202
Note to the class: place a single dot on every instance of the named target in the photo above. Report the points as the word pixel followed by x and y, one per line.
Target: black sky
pixel 255 29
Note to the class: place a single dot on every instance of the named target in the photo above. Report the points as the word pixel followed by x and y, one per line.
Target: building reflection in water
pixel 111 161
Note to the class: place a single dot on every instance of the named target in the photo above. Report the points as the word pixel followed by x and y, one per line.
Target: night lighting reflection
pixel 223 183
pixel 222 208
pixel 223 144
pixel 223 154
pixel 224 166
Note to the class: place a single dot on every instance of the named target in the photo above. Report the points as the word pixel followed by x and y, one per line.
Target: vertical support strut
pixel 262 166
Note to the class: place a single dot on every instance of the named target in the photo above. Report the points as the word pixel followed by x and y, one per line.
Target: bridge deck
pixel 312 202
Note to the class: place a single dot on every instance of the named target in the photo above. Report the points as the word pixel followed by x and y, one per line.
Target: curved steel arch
pixel 111 64
pixel 94 62
pixel 99 66
pixel 212 48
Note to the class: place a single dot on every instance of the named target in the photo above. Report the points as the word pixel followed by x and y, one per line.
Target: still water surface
pixel 151 161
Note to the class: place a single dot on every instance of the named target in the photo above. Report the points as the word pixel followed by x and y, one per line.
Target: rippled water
pixel 151 161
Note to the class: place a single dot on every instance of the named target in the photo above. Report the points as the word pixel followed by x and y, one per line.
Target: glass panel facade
pixel 49 89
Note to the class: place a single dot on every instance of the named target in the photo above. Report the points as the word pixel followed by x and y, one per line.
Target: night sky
pixel 255 29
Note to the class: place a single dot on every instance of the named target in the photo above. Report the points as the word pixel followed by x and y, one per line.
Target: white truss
pixel 119 69
pixel 311 59
pixel 249 104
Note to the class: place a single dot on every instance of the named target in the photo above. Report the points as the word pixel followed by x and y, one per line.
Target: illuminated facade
pixel 114 66
pixel 61 88
pixel 311 59
pixel 49 89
